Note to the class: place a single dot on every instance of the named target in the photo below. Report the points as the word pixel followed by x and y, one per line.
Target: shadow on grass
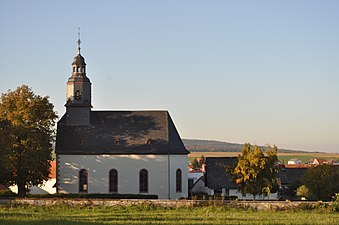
pixel 48 222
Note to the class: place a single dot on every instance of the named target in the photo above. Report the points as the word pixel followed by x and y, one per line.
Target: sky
pixel 263 72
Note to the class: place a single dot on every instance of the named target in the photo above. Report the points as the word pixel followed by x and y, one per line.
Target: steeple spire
pixel 79 94
pixel 79 42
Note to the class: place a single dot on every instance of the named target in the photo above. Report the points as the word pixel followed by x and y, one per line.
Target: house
pixel 219 181
pixel 46 188
pixel 294 161
pixel 319 162
pixel 199 187
pixel 291 177
pixel 124 152
pixel 194 176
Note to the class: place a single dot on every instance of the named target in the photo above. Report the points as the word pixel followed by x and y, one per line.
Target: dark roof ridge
pixel 127 110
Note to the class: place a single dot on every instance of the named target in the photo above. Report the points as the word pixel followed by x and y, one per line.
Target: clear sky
pixel 237 71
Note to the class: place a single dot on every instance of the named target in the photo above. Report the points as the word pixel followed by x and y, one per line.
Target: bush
pixel 322 181
pixel 6 193
pixel 302 191
pixel 335 202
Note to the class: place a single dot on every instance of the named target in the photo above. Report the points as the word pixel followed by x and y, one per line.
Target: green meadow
pixel 139 214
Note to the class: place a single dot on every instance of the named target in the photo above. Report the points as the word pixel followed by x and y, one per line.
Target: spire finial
pixel 79 42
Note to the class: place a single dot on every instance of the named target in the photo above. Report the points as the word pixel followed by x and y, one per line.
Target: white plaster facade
pixel 161 173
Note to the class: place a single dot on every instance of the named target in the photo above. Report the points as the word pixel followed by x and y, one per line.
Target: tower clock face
pixel 78 95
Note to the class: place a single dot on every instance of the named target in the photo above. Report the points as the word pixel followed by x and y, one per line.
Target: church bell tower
pixel 78 103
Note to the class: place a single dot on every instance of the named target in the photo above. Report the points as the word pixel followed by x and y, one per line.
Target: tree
pixel 5 141
pixel 302 191
pixel 195 163
pixel 254 172
pixel 27 130
pixel 202 160
pixel 322 181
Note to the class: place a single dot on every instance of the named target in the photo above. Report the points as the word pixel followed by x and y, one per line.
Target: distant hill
pixel 195 145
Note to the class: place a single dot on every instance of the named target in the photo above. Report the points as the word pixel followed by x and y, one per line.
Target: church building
pixel 124 152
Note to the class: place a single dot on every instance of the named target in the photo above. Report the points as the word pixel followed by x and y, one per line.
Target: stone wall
pixel 256 205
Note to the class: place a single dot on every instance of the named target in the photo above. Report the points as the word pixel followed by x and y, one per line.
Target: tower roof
pixel 79 60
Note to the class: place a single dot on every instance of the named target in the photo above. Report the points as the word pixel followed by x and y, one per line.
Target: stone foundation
pixel 255 205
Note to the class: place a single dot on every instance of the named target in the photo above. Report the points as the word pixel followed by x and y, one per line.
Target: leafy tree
pixel 254 172
pixel 27 131
pixel 195 163
pixel 202 160
pixel 322 181
pixel 5 141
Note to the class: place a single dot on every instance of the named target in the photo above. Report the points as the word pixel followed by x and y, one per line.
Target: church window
pixel 73 69
pixel 78 69
pixel 113 181
pixel 83 181
pixel 143 181
pixel 178 176
pixel 116 141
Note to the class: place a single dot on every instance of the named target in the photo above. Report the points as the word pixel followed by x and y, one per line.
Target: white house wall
pixel 46 188
pixel 128 167
pixel 238 194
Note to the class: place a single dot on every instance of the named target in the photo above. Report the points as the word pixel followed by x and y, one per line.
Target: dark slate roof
pixel 290 175
pixel 216 176
pixel 78 60
pixel 121 132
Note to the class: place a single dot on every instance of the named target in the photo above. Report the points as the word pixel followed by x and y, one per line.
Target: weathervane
pixel 79 42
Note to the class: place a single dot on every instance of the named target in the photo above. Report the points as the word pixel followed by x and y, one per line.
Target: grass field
pixel 71 215
pixel 283 157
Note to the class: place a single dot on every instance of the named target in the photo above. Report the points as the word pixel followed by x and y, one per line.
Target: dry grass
pixel 72 215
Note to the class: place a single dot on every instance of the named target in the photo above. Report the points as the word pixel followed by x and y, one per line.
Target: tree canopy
pixel 255 172
pixel 26 135
pixel 322 181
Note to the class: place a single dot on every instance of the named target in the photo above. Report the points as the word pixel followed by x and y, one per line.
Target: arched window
pixel 113 181
pixel 143 181
pixel 178 177
pixel 83 181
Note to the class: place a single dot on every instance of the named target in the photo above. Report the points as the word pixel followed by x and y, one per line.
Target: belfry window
pixel 78 95
pixel 113 181
pixel 83 181
pixel 143 181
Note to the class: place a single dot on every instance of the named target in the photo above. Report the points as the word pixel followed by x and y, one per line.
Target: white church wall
pixel 178 162
pixel 128 167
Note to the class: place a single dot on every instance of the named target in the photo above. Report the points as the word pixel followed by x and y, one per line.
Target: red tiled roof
pixel 320 161
pixel 53 170
pixel 298 165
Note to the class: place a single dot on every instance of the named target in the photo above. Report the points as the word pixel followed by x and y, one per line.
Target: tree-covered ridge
pixel 195 145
